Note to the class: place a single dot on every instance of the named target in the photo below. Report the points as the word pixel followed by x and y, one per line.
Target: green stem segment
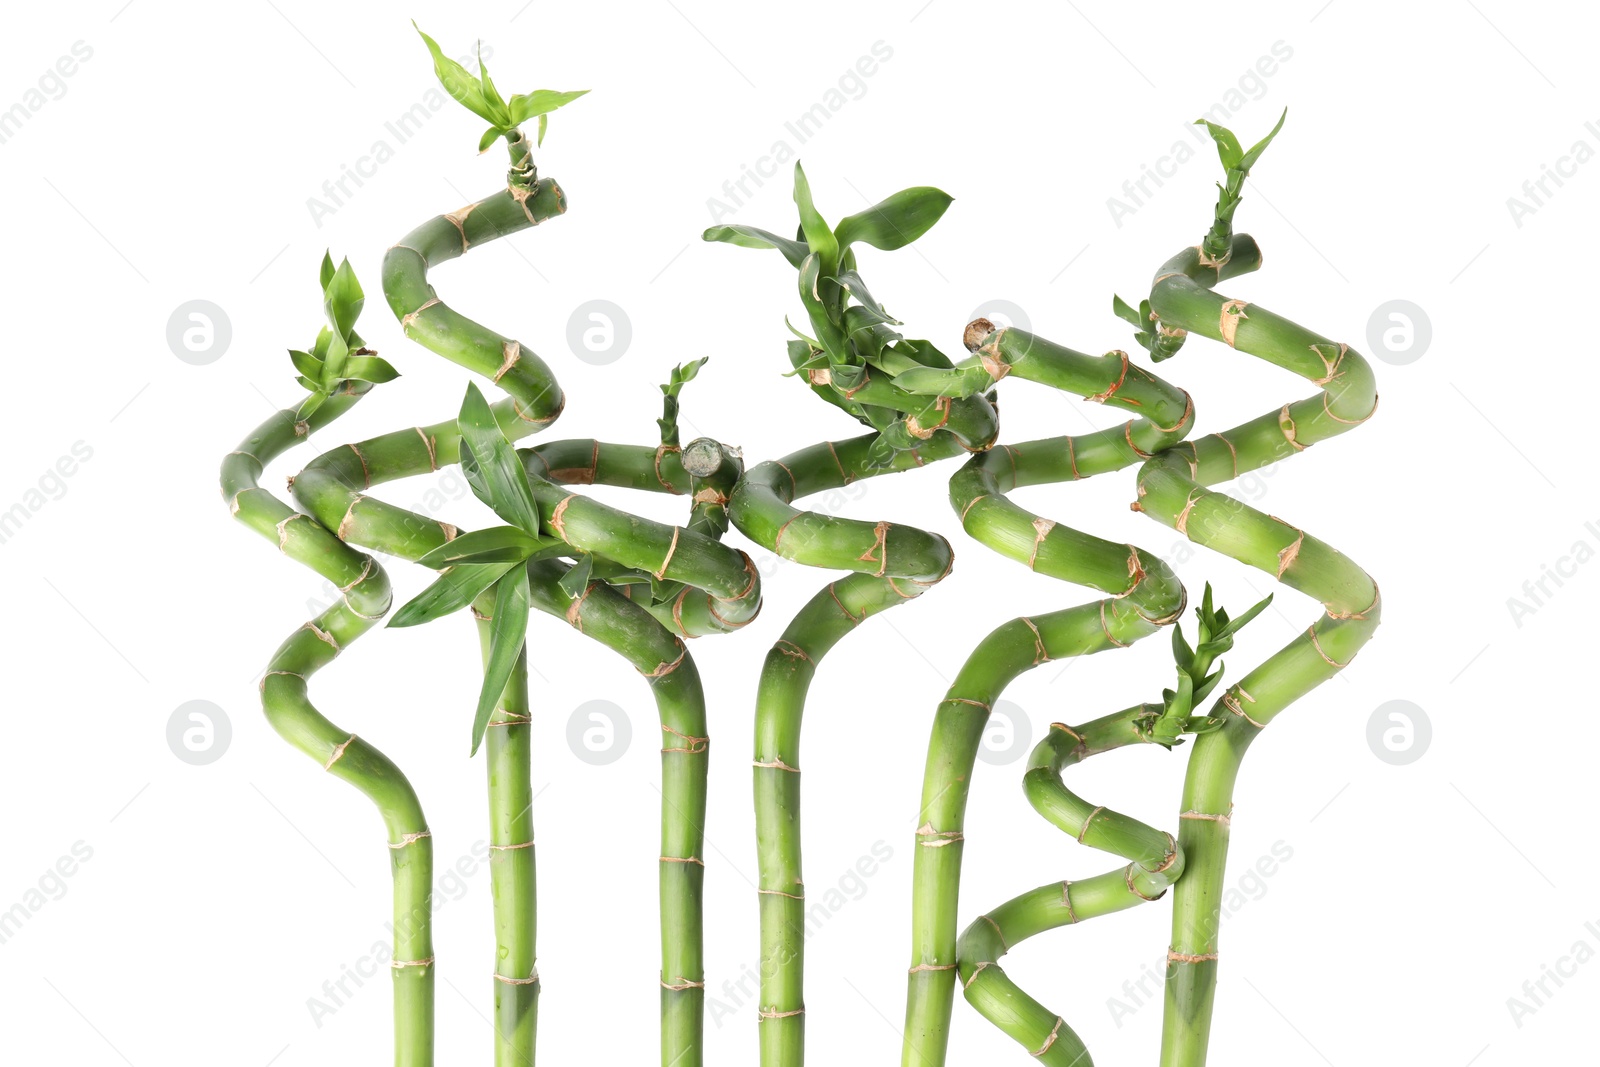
pixel 1173 490
pixel 364 599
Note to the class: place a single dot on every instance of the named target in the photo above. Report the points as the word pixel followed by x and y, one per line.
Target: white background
pixel 176 164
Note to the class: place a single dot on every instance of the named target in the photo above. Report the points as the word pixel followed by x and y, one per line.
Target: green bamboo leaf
pixel 327 269
pixel 491 96
pixel 467 90
pixel 925 353
pixel 1233 626
pixel 819 237
pixel 897 221
pixel 504 478
pixel 373 369
pixel 488 138
pixel 525 106
pixel 507 632
pixel 343 299
pixel 309 405
pixel 1127 313
pixel 308 383
pixel 1181 652
pixel 576 580
pixel 1228 147
pixel 852 283
pixel 449 593
pixel 474 475
pixel 1207 684
pixel 752 237
pixel 1250 157
pixel 319 348
pixel 497 544
pixel 544 125
pixel 333 363
pixel 307 364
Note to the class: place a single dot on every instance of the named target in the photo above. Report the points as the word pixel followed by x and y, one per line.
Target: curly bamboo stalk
pixel 1173 488
pixel 1155 862
pixel 364 599
pixel 1144 596
pixel 855 362
pixel 688 559
pixel 334 487
pixel 884 577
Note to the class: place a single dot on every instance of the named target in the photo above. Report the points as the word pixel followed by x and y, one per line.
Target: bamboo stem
pixel 1173 488
pixel 1145 595
pixel 364 599
pixel 892 564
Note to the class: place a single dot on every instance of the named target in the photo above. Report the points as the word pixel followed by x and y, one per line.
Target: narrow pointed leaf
pixel 373 369
pixel 306 364
pixel 479 546
pixel 491 96
pixel 1235 625
pixel 752 237
pixel 525 106
pixel 327 269
pixel 1228 147
pixel 343 299
pixel 576 580
pixel 897 221
pixel 507 632
pixel 819 237
pixel 1250 157
pixel 504 478
pixel 450 592
pixel 467 90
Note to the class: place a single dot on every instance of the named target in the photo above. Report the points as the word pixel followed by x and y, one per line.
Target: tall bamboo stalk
pixel 1144 596
pixel 1173 488
pixel 855 361
pixel 364 599
pixel 692 583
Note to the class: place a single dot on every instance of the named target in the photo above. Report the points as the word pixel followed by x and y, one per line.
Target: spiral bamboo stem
pixel 1144 596
pixel 364 598
pixel 1173 488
